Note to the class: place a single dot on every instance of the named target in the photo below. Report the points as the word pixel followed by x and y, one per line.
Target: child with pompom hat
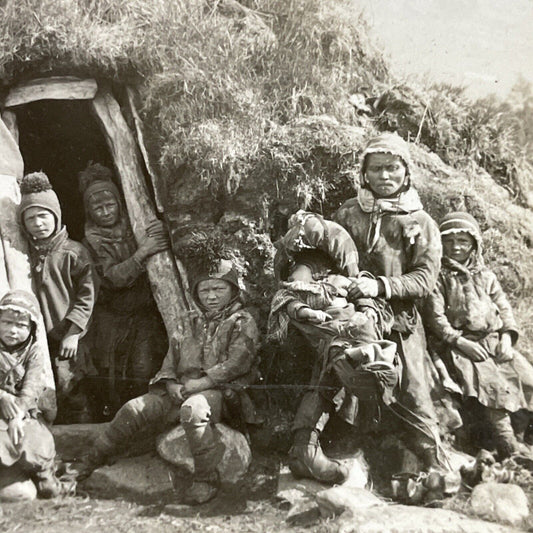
pixel 65 286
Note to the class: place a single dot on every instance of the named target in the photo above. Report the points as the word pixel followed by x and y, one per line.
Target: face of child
pixel 301 273
pixel 214 294
pixel 15 327
pixel 103 209
pixel 385 174
pixel 39 222
pixel 458 246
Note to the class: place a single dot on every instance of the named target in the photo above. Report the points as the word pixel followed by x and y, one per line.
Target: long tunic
pixel 471 303
pixel 406 256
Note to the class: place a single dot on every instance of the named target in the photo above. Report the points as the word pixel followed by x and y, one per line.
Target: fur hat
pixel 207 257
pixel 21 302
pixel 97 178
pixel 386 143
pixel 36 191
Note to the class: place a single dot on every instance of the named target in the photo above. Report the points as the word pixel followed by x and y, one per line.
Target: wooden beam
pixel 55 88
pixel 162 270
pixel 140 141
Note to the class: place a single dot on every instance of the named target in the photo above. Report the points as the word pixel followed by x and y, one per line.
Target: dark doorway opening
pixel 60 137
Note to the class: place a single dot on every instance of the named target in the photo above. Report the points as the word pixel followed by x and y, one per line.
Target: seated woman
pixel 350 352
pixel 26 443
pixel 472 319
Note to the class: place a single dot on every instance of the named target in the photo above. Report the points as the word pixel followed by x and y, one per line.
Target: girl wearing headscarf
pixel 470 315
pixel 399 243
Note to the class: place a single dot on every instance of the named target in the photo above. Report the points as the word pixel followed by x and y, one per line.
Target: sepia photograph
pixel 266 265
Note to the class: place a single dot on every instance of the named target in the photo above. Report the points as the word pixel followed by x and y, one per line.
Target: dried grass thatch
pixel 252 108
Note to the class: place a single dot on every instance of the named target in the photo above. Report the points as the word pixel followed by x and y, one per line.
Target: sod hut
pixel 226 116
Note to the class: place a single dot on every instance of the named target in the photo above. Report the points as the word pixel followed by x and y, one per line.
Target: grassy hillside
pixel 253 108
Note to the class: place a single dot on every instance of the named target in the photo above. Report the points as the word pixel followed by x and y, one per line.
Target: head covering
pixel 21 302
pixel 220 269
pixel 460 221
pixel 37 191
pixel 387 143
pixel 322 244
pixel 94 179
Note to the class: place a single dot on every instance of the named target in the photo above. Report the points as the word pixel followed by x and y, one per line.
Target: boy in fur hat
pixel 470 315
pixel 399 243
pixel 26 443
pixel 211 348
pixel 65 286
pixel 128 334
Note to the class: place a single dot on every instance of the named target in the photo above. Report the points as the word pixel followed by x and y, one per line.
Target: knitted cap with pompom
pixel 37 191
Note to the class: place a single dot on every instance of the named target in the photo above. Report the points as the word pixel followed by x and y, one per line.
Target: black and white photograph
pixel 266 266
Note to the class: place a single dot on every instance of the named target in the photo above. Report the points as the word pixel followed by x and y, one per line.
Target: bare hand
pixel 473 350
pixel 156 228
pixel 504 350
pixel 8 406
pixel 151 245
pixel 363 288
pixel 175 391
pixel 312 315
pixel 15 430
pixel 194 386
pixel 68 347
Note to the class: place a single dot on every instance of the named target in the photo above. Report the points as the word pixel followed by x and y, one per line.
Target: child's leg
pixel 38 455
pixel 197 415
pixel 150 411
pixel 506 442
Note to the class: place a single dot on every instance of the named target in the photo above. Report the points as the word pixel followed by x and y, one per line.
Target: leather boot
pixel 306 459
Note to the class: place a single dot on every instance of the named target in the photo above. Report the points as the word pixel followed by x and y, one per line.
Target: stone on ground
pixel 73 441
pixel 503 502
pixel 335 500
pixel 173 447
pixel 15 485
pixel 410 519
pixel 144 477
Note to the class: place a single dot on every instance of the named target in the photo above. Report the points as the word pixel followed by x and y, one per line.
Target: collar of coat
pixel 43 246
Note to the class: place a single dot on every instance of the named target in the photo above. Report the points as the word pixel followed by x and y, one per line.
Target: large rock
pixel 503 502
pixel 146 477
pixel 73 441
pixel 410 519
pixel 174 448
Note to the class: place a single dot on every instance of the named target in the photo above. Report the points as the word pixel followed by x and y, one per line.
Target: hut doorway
pixel 60 137
pixel 96 130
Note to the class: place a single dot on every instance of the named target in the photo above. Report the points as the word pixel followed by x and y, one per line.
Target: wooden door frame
pixel 166 274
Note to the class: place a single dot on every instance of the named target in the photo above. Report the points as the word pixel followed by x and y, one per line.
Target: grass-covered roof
pixel 265 102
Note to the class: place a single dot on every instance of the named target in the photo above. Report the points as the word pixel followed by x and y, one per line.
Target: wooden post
pixel 167 287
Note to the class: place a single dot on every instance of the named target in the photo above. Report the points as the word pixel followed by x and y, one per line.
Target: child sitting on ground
pixel 472 319
pixel 26 444
pixel 65 286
